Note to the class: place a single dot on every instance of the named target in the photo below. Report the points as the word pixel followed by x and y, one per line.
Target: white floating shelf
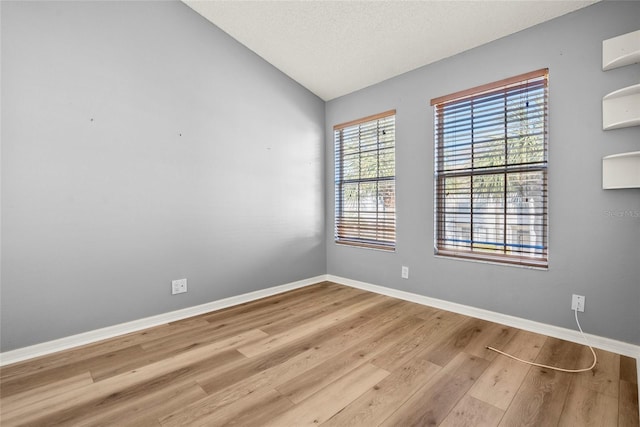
pixel 620 51
pixel 621 171
pixel 621 108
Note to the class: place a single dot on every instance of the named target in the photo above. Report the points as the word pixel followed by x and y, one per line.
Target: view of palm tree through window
pixel 365 212
pixel 490 172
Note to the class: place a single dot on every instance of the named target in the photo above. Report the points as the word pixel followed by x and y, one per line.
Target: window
pixel 365 209
pixel 491 171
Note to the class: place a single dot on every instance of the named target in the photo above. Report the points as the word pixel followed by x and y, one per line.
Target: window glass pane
pixel 456 211
pixel 525 212
pixel 351 167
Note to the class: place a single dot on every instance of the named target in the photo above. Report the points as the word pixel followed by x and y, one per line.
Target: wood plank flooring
pixel 324 355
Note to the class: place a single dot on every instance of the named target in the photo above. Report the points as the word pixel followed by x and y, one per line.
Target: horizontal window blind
pixel 365 203
pixel 491 171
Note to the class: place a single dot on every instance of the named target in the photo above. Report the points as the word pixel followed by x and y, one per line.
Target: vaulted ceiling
pixel 336 47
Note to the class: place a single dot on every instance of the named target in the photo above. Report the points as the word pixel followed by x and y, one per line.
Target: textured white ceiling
pixel 336 47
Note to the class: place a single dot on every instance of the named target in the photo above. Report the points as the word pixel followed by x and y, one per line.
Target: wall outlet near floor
pixel 577 302
pixel 405 272
pixel 178 286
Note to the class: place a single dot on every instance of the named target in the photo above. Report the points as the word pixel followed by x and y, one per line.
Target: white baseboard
pixel 607 344
pixel 66 343
pixel 49 347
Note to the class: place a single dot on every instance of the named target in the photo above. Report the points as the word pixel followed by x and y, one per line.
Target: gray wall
pixel 141 144
pixel 594 234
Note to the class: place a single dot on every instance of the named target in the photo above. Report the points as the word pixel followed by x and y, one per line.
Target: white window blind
pixel 365 203
pixel 491 171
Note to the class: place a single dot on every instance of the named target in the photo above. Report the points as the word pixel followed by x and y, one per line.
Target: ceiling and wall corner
pixel 116 164
pixel 594 234
pixel 337 47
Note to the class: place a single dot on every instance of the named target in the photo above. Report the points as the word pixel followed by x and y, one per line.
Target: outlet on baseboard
pixel 178 286
pixel 577 302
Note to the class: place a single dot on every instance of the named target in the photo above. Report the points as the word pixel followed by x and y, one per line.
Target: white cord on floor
pixel 595 359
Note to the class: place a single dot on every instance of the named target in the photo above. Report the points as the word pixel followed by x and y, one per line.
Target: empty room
pixel 289 213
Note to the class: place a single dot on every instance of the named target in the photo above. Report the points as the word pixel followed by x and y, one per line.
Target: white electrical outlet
pixel 577 302
pixel 405 272
pixel 178 286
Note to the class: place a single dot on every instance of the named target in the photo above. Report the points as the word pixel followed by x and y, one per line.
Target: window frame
pixel 475 249
pixel 359 231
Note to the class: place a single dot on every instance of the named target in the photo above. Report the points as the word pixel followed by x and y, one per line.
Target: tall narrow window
pixel 491 171
pixel 365 209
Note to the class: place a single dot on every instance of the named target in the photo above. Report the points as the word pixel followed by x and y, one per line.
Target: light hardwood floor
pixel 322 355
